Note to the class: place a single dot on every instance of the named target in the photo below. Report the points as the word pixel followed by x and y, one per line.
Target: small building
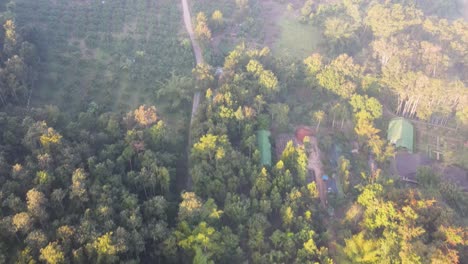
pixel 302 132
pixel 264 145
pixel 401 133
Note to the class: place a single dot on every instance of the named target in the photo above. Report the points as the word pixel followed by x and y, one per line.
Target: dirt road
pixel 196 51
pixel 315 163
pixel 199 60
pixel 189 27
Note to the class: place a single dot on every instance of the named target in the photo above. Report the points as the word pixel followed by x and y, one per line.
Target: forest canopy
pixel 128 135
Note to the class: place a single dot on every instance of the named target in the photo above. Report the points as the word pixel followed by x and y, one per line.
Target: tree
pixel 427 177
pixel 386 20
pixel 380 148
pixel 178 90
pixel 145 115
pixel 217 18
pixel 343 172
pixel 359 250
pixel 287 215
pixel 31 139
pixel 319 116
pixel 385 49
pixel 22 222
pixel 10 37
pixel 36 202
pixel 279 113
pixel 433 57
pixel 105 248
pixel 266 78
pixel 236 208
pixel 52 254
pixel 203 75
pixel 36 240
pixel 203 237
pixel 50 138
pixel 313 63
pixel 340 76
pixel 307 9
pixel 202 30
pixel 14 78
pixel 364 127
pixel 208 145
pixel 338 30
pixel 366 107
pixel 462 116
pixel 190 207
pixel 200 257
pixel 262 184
pixel 78 188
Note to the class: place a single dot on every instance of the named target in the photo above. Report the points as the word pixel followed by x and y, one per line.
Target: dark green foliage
pixel 101 186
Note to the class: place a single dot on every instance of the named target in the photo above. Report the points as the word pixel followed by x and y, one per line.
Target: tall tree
pixel 387 19
pixel 202 30
pixel 319 116
pixel 359 250
pixel 52 254
pixel 37 202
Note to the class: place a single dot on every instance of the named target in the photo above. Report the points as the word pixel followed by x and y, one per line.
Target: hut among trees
pixel 401 133
pixel 264 145
pixel 302 132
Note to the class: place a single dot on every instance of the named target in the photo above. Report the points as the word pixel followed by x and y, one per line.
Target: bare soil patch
pixel 272 12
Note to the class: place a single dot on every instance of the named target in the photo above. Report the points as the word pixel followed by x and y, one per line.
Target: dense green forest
pixel 102 161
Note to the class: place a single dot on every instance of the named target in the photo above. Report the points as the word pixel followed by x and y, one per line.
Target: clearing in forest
pixel 285 34
pixel 296 39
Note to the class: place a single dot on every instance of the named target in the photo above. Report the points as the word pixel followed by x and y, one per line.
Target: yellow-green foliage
pixel 265 77
pixel 52 254
pixel 42 177
pixel 50 138
pixel 104 245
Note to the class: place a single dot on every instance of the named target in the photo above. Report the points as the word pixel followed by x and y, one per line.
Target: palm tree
pixel 359 250
pixel 319 116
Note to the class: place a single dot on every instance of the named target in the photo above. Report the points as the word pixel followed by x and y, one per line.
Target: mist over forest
pixel 234 131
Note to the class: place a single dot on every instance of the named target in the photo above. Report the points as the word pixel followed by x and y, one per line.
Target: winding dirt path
pixel 315 163
pixel 196 51
pixel 196 97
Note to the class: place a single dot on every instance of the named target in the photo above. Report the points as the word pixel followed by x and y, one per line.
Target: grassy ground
pixel 295 39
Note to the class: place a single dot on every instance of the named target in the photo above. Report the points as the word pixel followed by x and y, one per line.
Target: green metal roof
pixel 264 145
pixel 401 133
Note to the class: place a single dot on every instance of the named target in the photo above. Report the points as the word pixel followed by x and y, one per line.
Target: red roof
pixel 302 132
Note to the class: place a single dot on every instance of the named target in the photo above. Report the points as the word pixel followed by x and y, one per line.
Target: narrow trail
pixel 196 50
pixel 199 60
pixel 315 163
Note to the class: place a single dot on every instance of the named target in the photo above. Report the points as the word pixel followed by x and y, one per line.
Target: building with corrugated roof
pixel 302 132
pixel 264 146
pixel 401 133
